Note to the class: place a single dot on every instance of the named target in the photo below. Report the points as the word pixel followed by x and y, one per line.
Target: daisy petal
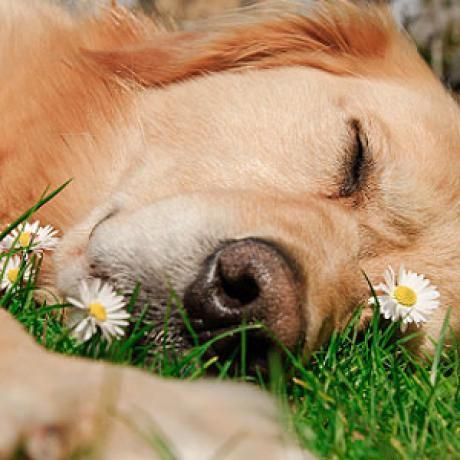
pixel 410 298
pixel 105 310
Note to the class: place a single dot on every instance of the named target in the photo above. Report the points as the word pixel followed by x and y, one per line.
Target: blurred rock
pixel 435 26
pixel 406 11
pixel 195 9
pixel 92 6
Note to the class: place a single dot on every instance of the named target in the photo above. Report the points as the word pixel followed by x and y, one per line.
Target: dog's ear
pixel 150 64
pixel 338 37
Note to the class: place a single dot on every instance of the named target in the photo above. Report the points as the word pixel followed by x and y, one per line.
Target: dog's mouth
pixel 173 334
pixel 240 350
pixel 243 303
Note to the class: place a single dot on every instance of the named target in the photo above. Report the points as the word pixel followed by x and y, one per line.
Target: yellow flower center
pixel 98 310
pixel 24 239
pixel 405 296
pixel 12 275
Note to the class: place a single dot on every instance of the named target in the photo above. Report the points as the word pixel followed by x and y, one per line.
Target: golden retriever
pixel 257 167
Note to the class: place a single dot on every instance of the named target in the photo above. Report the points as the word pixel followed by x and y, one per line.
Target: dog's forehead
pixel 249 90
pixel 292 101
pixel 244 110
pixel 293 88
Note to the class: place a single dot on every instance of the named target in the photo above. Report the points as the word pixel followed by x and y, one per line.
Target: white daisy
pixel 10 271
pixel 99 307
pixel 409 297
pixel 33 237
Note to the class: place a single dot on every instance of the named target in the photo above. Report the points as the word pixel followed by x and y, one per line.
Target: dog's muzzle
pixel 247 281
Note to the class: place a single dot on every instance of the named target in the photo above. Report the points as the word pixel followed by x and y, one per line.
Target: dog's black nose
pixel 247 280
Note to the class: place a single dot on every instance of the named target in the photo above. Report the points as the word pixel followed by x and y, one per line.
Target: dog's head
pixel 265 165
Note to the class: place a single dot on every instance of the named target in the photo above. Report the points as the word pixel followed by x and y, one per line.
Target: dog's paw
pixel 54 407
pixel 208 419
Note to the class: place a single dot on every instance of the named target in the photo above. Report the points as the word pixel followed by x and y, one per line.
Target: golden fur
pixel 82 86
pixel 57 70
pixel 178 140
pixel 73 119
pixel 338 37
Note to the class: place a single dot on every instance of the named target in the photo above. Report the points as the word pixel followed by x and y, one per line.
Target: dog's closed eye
pixel 357 162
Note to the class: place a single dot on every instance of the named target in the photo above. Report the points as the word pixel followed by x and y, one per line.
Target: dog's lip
pixel 106 217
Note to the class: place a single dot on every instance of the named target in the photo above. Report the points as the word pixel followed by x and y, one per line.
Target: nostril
pixel 247 280
pixel 243 288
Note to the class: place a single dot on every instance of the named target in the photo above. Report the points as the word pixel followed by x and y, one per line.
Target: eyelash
pixel 357 162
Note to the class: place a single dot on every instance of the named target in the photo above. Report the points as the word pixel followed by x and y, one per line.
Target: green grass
pixel 363 396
